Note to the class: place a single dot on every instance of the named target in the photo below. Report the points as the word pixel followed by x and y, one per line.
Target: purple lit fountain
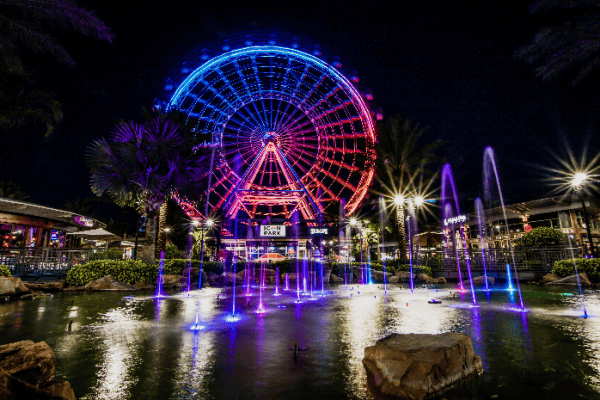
pixel 481 225
pixel 490 173
pixel 451 213
pixel 159 281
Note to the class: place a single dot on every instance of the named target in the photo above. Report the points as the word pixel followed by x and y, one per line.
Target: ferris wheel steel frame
pixel 288 130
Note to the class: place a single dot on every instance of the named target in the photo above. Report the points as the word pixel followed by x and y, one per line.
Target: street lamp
pixel 580 179
pixel 357 223
pixel 399 201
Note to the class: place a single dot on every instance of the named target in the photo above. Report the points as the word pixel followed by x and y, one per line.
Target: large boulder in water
pixel 25 372
pixel 12 286
pixel 550 278
pixel 572 280
pixel 404 276
pixel 480 280
pixel 423 278
pixel 439 280
pixel 174 281
pixel 417 365
pixel 45 286
pixel 108 283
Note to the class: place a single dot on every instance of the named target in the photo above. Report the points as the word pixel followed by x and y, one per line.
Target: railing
pixel 530 259
pixel 42 260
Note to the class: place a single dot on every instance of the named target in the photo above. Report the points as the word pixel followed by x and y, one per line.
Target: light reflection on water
pixel 129 347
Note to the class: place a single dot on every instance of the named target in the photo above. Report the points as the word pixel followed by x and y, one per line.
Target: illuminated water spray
pixel 490 172
pixel 481 225
pixel 451 209
pixel 159 281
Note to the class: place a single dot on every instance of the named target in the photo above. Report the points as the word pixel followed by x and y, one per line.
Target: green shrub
pixel 543 236
pixel 110 254
pixel 591 266
pixel 172 252
pixel 4 271
pixel 126 271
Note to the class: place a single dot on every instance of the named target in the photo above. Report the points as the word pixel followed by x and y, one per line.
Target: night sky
pixel 448 66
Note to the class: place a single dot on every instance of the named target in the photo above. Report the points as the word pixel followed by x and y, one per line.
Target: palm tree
pixel 82 207
pixel 569 43
pixel 27 23
pixel 143 165
pixel 21 105
pixel 9 190
pixel 400 159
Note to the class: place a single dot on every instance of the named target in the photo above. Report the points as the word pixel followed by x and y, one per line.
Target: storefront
pixel 27 225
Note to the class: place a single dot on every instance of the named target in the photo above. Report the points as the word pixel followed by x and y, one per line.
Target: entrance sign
pixel 455 220
pixel 319 231
pixel 272 230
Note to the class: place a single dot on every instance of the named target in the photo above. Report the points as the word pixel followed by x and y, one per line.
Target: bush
pixel 110 254
pixel 172 252
pixel 126 271
pixel 591 266
pixel 543 236
pixel 4 271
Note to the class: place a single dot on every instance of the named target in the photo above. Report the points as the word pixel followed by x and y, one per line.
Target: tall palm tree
pixel 569 43
pixel 27 23
pixel 20 104
pixel 9 190
pixel 143 165
pixel 400 159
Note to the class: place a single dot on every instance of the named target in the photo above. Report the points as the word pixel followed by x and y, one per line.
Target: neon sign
pixel 319 231
pixel 455 220
pixel 272 230
pixel 85 221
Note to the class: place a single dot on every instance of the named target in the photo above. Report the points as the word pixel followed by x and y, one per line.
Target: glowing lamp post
pixel 578 182
pixel 399 201
pixel 209 223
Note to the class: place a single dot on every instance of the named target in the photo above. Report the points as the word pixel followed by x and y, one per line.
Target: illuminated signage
pixel 85 221
pixel 455 220
pixel 272 230
pixel 319 231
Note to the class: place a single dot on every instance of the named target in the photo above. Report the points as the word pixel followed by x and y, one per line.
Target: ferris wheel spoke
pixel 313 89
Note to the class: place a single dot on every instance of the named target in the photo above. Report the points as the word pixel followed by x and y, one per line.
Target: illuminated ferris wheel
pixel 289 131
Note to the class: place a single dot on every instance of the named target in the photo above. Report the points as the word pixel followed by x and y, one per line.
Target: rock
pixel 45 286
pixel 335 279
pixel 25 372
pixel 480 280
pixel 417 365
pixel 572 280
pixel 393 279
pixel 174 281
pixel 20 288
pixel 6 287
pixel 195 272
pixel 144 285
pixel 439 280
pixel 424 278
pixel 404 276
pixel 28 296
pixel 550 278
pixel 108 283
pixel 31 362
pixel 12 286
pixel 60 389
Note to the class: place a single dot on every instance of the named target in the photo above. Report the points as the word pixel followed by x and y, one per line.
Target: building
pixel 27 225
pixel 563 213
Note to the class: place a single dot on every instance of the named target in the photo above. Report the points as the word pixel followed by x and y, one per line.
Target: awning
pixel 97 234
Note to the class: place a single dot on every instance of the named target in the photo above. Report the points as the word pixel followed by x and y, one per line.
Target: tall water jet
pixel 481 225
pixel 412 232
pixel 161 265
pixel 585 314
pixel 348 261
pixel 342 238
pixel 190 239
pixel 490 171
pixel 295 228
pixel 287 281
pixel 234 270
pixel 277 282
pixel 448 181
pixel 383 219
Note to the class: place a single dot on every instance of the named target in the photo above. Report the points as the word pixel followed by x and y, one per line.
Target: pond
pixel 133 346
